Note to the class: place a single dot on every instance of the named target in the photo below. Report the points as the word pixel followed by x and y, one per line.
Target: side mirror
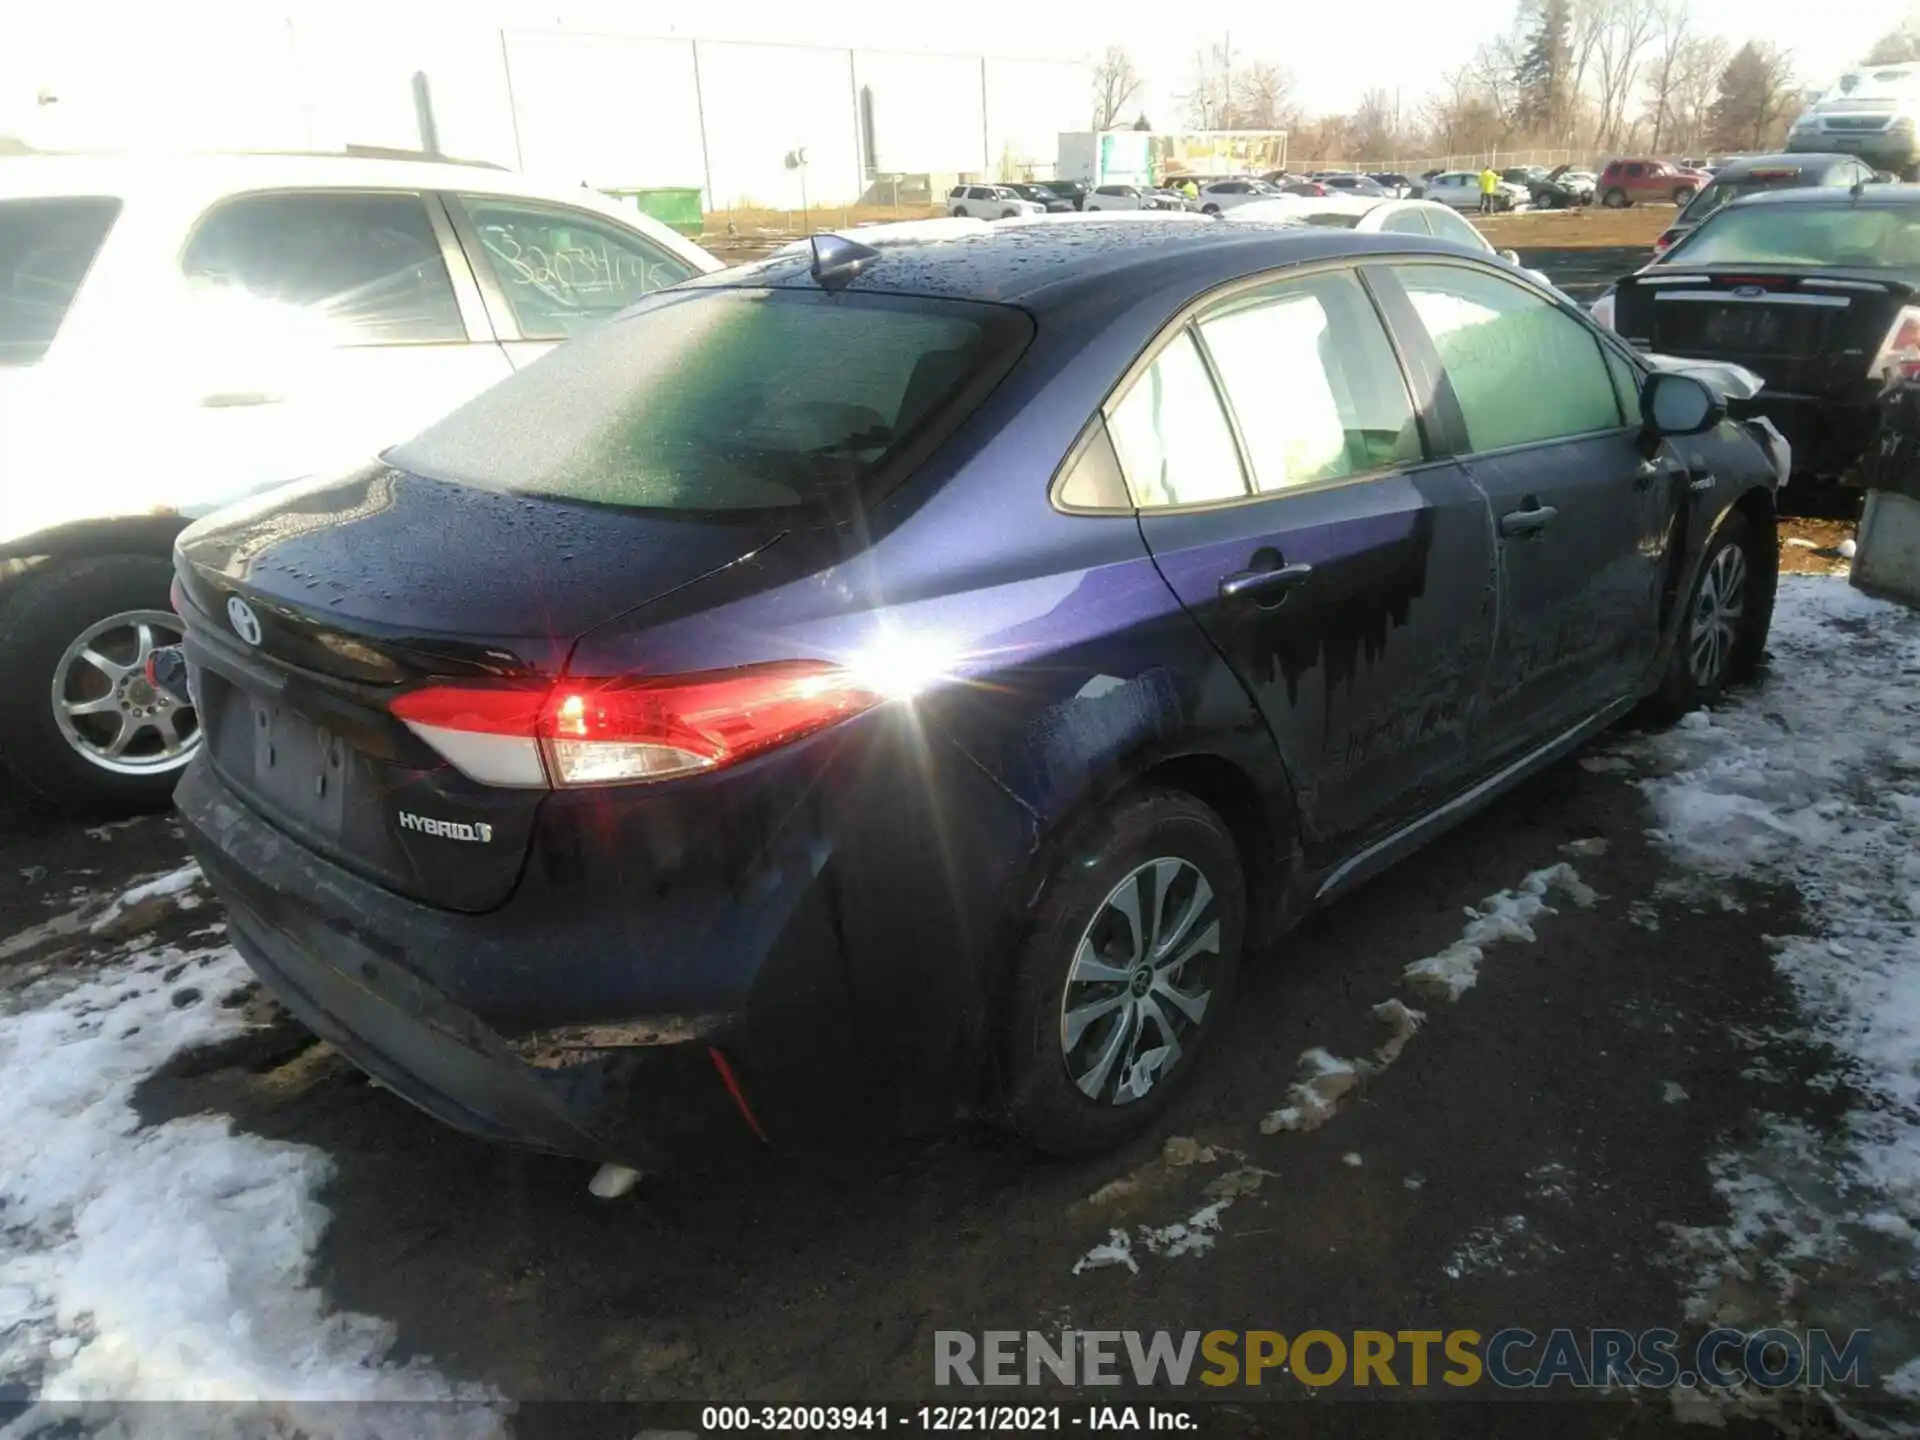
pixel 1676 404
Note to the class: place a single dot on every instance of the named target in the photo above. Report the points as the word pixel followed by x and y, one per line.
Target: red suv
pixel 1627 182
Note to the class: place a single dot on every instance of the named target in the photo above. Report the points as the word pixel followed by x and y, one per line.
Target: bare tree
pixel 1115 83
pixel 1618 54
pixel 1696 82
pixel 1263 98
pixel 1673 23
pixel 1494 66
pixel 1898 44
pixel 1459 116
pixel 1373 130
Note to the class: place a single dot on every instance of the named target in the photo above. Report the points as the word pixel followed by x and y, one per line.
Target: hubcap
pixel 1718 612
pixel 108 710
pixel 1142 977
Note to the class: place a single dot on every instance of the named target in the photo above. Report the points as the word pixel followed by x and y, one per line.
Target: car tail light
pixel 1899 356
pixel 619 731
pixel 1663 244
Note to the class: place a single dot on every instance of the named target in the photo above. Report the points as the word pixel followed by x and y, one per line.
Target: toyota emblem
pixel 245 623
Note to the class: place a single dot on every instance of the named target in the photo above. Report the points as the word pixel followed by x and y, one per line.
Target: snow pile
pixel 169 1262
pixel 1813 781
pixel 1506 915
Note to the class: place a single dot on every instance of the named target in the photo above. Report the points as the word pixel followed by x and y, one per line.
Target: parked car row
pixel 905 675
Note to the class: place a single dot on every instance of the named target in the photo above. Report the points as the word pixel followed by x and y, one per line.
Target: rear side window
pixel 1449 226
pixel 1313 382
pixel 1522 370
pixel 1171 435
pixel 46 249
pixel 722 401
pixel 563 270
pixel 367 269
pixel 1406 222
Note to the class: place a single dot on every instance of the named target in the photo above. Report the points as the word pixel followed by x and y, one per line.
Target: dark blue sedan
pixel 897 679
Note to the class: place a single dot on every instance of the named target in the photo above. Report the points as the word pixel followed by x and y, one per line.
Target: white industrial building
pixel 589 92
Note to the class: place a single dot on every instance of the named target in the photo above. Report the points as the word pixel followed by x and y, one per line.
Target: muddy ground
pixel 1519 1165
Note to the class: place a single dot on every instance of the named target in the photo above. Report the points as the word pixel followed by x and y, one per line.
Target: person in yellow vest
pixel 1489 187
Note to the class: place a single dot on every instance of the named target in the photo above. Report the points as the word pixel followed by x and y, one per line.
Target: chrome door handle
pixel 1259 584
pixel 1527 522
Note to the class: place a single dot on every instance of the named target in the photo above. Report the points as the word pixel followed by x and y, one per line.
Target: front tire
pixel 1724 625
pixel 1126 973
pixel 80 727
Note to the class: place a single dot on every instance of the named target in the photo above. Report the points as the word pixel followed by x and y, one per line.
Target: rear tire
pixel 957 213
pixel 1615 199
pixel 1723 627
pixel 41 624
pixel 1106 1021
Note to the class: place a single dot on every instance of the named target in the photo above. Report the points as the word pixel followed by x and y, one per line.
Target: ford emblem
pixel 1749 292
pixel 245 623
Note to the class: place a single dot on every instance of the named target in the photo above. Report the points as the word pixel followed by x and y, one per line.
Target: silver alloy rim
pixel 1718 611
pixel 1142 976
pixel 107 709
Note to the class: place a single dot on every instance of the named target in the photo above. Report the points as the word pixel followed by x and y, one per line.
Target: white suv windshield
pixel 1876 85
pixel 46 248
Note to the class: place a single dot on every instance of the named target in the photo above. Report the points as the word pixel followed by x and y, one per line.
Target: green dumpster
pixel 678 206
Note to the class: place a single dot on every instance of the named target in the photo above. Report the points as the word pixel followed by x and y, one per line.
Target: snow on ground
pixel 169 1261
pixel 1812 780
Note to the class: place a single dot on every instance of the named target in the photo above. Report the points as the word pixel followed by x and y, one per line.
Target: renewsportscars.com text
pixel 1512 1358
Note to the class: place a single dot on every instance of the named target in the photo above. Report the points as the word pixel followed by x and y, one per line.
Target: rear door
pixel 1584 515
pixel 320 327
pixel 1274 448
pixel 550 271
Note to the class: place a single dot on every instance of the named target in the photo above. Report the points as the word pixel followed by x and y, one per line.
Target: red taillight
pixel 610 732
pixel 1663 244
pixel 1899 356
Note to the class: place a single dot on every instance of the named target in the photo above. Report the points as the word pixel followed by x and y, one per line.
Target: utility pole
pixel 1226 81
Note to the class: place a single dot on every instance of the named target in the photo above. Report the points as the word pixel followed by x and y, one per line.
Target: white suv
pixel 990 202
pixel 176 332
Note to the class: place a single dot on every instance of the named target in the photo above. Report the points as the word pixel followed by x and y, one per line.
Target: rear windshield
pixel 724 401
pixel 1870 237
pixel 46 249
pixel 1784 177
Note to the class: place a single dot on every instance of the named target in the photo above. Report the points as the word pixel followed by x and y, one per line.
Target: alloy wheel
pixel 1719 610
pixel 108 712
pixel 1141 979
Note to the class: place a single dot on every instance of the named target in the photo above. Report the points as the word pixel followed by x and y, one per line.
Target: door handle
pixel 1263 584
pixel 1527 522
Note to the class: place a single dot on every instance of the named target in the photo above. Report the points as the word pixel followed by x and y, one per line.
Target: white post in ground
pixel 1886 559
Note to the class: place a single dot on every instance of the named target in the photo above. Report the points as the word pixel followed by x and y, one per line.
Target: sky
pixel 1335 52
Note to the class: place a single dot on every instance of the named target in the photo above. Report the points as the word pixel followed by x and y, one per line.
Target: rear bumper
pixel 382 979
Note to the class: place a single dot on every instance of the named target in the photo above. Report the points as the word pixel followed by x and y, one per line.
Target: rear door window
pixel 1522 370
pixel 1171 435
pixel 46 248
pixel 564 270
pixel 693 403
pixel 1312 382
pixel 351 269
